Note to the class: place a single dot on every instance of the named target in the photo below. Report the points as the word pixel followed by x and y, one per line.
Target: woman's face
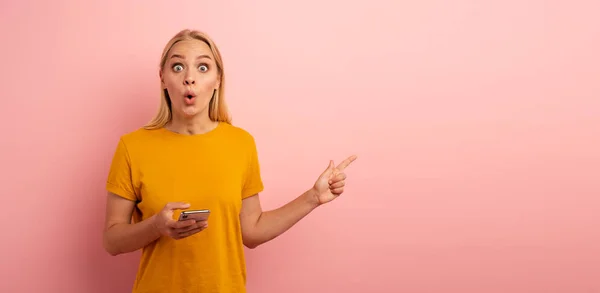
pixel 190 76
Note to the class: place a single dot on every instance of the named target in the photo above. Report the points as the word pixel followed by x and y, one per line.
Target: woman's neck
pixel 196 125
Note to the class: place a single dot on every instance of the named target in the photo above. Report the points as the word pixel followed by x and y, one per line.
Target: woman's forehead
pixel 193 49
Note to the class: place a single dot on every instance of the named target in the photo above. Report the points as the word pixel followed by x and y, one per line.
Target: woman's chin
pixel 190 112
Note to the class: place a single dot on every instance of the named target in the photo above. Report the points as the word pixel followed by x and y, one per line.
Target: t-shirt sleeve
pixel 119 179
pixel 252 182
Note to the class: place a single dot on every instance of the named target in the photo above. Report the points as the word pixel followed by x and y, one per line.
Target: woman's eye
pixel 178 68
pixel 203 68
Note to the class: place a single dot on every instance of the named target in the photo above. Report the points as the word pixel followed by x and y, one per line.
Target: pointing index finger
pixel 346 162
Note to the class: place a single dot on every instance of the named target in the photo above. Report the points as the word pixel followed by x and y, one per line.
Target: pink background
pixel 477 125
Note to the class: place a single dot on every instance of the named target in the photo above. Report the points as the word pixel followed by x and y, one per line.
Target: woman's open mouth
pixel 190 97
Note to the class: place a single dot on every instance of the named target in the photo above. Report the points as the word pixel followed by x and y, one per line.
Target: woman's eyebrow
pixel 182 57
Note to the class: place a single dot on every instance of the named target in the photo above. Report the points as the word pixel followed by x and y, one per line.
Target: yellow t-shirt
pixel 215 171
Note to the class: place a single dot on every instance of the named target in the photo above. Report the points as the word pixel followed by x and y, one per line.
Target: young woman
pixel 191 157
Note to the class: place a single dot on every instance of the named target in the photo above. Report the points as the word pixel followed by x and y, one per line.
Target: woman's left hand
pixel 331 183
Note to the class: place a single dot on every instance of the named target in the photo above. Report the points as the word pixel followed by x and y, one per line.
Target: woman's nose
pixel 189 80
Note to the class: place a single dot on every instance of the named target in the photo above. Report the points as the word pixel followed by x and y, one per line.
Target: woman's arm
pixel 120 236
pixel 259 227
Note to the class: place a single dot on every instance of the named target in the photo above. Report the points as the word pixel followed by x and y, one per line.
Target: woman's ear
pixel 162 80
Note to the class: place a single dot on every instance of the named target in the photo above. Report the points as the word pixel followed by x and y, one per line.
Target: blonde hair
pixel 217 109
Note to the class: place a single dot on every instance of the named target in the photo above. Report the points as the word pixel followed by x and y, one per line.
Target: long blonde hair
pixel 217 110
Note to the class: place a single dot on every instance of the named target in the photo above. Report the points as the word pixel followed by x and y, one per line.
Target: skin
pixel 191 68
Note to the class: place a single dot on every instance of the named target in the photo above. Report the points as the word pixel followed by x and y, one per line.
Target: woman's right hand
pixel 167 226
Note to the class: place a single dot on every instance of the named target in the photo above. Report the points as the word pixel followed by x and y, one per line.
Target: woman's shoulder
pixel 237 135
pixel 139 137
pixel 140 133
pixel 236 130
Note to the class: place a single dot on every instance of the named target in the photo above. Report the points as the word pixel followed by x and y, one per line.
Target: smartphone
pixel 198 215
